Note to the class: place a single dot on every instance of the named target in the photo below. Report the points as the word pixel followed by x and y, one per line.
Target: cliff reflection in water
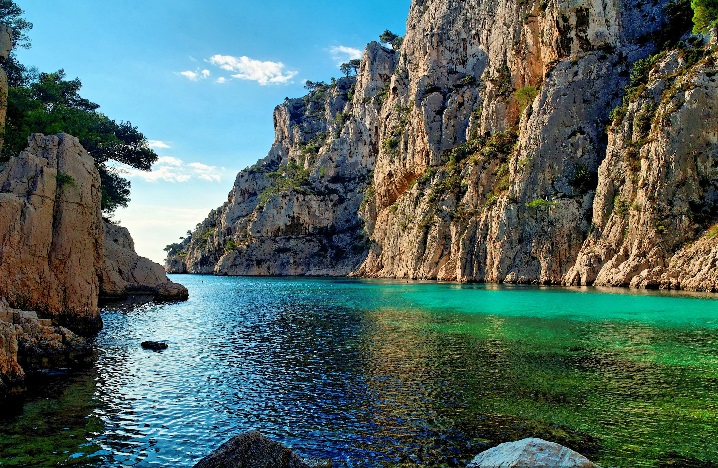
pixel 383 373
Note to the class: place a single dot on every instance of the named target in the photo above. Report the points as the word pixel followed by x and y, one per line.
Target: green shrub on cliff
pixel 526 96
pixel 51 104
pixel 705 15
pixel 48 103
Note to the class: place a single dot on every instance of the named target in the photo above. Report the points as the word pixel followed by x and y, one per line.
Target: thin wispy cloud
pixel 196 75
pixel 245 68
pixel 168 161
pixel 221 80
pixel 342 54
pixel 171 169
pixel 158 144
pixel 205 172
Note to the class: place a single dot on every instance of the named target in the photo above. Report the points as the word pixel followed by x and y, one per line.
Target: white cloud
pixel 170 169
pixel 158 144
pixel 196 75
pixel 192 76
pixel 168 161
pixel 205 172
pixel 245 68
pixel 221 80
pixel 341 54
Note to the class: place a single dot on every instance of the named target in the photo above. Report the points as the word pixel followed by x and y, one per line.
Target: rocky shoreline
pixel 58 258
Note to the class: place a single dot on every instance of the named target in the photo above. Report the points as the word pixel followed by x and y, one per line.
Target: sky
pixel 200 79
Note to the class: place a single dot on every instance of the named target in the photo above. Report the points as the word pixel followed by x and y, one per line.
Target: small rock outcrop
pixel 252 450
pixel 534 453
pixel 51 232
pixel 125 273
pixel 28 342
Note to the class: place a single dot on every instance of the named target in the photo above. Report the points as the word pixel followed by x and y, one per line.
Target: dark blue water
pixel 384 373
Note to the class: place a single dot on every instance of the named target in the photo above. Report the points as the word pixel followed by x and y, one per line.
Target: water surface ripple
pixel 385 373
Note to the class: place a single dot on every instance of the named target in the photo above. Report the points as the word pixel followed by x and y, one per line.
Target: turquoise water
pixel 385 373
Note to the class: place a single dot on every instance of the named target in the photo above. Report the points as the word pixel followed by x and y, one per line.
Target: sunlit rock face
pixel 484 150
pixel 57 257
pixel 51 232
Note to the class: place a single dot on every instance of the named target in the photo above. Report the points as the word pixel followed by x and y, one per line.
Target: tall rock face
pixel 295 212
pixel 479 151
pixel 495 131
pixel 657 199
pixel 51 236
pixel 57 256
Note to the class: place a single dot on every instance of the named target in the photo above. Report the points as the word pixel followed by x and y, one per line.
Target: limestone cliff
pixel 657 198
pixel 295 212
pixel 51 236
pixel 480 152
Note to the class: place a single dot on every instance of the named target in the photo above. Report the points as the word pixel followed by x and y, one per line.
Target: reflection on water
pixel 381 373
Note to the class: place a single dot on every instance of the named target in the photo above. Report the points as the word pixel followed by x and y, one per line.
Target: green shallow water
pixel 386 373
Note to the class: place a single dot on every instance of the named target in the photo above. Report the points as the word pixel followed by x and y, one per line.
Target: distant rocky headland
pixel 552 142
pixel 58 256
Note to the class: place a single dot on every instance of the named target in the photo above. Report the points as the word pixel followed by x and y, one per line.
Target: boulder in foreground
pixel 252 450
pixel 532 452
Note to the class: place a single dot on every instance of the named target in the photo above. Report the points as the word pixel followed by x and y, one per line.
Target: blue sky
pixel 200 79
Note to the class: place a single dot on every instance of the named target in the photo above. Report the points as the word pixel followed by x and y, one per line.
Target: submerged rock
pixel 154 345
pixel 532 452
pixel 252 450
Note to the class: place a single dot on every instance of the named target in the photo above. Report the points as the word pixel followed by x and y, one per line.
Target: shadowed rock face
pixel 28 343
pixel 536 453
pixel 51 236
pixel 252 450
pixel 656 204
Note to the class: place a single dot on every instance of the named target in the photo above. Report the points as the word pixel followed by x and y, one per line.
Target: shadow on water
pixel 382 373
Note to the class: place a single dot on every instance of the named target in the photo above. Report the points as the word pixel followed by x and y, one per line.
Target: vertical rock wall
pixel 51 244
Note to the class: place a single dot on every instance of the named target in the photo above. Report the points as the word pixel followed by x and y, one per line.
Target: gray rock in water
pixel 534 453
pixel 154 345
pixel 252 450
